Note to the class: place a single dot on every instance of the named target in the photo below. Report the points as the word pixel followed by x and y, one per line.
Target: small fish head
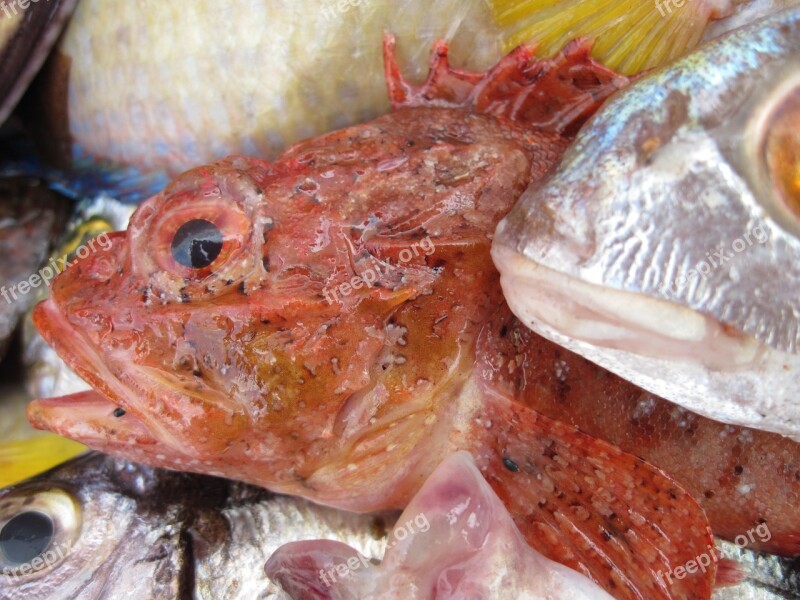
pixel 86 527
pixel 207 321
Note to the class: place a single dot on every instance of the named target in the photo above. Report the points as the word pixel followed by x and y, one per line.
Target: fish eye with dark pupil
pixel 197 244
pixel 26 536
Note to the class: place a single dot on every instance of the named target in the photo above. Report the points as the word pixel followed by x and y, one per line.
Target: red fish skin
pixel 252 369
pixel 255 379
pixel 743 478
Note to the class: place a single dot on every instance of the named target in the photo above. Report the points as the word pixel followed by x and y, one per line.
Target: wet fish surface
pixel 218 332
pixel 125 530
pixel 665 248
pixel 455 539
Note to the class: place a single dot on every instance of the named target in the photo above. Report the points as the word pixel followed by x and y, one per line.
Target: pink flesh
pixel 455 539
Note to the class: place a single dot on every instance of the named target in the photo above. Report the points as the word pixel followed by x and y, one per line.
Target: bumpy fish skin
pixel 267 358
pixel 46 373
pixel 742 477
pixel 606 259
pixel 143 533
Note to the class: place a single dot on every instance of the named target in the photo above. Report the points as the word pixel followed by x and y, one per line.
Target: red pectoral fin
pixel 557 95
pixel 586 504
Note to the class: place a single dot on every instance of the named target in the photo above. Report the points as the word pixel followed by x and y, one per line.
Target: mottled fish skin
pixel 606 258
pixel 259 364
pixel 743 478
pixel 126 530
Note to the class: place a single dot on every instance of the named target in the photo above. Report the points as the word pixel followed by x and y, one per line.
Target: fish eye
pixel 782 152
pixel 201 236
pixel 37 530
pixel 26 536
pixel 196 244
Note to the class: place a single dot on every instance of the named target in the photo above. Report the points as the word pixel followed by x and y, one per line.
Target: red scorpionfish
pixel 330 325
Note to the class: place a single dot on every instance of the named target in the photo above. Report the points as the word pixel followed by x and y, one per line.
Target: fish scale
pixel 683 147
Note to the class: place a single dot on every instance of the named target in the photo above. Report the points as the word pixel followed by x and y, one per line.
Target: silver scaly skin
pixel 665 247
pixel 122 530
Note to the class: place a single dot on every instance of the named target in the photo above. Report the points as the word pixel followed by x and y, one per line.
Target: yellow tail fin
pixel 630 35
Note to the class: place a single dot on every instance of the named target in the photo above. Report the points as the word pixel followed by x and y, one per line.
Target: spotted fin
pixel 586 504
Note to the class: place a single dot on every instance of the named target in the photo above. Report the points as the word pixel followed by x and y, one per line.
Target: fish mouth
pixel 101 418
pixel 619 319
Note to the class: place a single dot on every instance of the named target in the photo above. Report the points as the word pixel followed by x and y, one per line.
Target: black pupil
pixel 26 536
pixel 197 243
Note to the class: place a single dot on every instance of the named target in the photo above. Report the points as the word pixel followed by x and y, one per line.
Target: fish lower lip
pixel 649 341
pixel 88 417
pixel 72 346
pixel 620 319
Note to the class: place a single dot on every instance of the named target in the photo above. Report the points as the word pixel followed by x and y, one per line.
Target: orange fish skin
pixel 277 365
pixel 742 477
pixel 249 370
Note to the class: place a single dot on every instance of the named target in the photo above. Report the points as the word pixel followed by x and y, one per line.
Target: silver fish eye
pixel 37 531
pixel 25 536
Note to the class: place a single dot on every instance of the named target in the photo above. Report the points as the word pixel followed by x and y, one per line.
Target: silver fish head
pixel 665 247
pixel 99 527
pixel 86 530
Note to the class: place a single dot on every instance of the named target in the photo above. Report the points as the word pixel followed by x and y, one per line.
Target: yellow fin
pixel 22 459
pixel 629 35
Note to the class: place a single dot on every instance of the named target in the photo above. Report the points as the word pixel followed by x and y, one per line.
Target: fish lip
pixel 70 414
pixel 88 417
pixel 78 355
